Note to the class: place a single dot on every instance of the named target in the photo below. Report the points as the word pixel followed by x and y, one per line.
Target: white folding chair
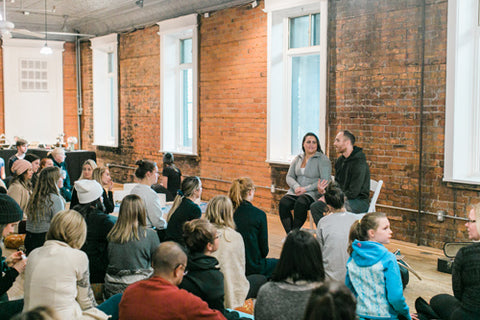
pixel 375 187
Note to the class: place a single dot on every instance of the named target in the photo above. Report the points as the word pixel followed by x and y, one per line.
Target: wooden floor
pixel 422 259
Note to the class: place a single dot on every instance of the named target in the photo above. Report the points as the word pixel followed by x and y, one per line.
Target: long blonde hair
pixel 131 220
pixel 220 211
pixel 92 164
pixel 239 190
pixel 98 173
pixel 188 187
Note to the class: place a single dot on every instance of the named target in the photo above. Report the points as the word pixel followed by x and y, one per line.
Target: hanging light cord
pixel 46 36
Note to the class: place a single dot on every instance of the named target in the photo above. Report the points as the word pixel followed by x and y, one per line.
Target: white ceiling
pixel 100 17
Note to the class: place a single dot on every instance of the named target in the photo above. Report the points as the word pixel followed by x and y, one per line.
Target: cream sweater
pixel 231 257
pixel 57 276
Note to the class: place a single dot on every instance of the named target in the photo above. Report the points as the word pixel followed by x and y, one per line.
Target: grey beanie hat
pixel 168 158
pixel 10 211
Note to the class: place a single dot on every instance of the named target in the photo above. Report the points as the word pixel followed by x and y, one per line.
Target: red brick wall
pixel 70 123
pixel 374 77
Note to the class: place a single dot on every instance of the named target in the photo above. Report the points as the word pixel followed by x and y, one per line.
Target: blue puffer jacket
pixel 373 276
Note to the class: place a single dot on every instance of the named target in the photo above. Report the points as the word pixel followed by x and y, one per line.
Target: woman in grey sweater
pixel 302 177
pixel 298 272
pixel 130 247
pixel 44 203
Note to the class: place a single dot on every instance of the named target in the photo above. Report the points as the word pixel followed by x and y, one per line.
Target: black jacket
pixel 205 280
pixel 353 175
pixel 186 211
pixel 251 223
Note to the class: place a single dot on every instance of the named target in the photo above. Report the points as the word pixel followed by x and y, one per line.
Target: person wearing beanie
pixel 171 175
pixel 20 188
pixel 99 224
pixel 11 267
pixel 58 157
pixel 22 147
pixel 35 161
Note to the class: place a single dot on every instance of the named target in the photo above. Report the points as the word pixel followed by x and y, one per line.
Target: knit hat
pixel 10 211
pixel 168 158
pixel 20 166
pixel 88 190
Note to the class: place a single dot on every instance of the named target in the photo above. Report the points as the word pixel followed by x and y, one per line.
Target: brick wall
pixel 375 64
pixel 70 123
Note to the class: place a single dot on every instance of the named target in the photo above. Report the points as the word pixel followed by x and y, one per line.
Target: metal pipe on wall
pixel 78 67
pixel 420 159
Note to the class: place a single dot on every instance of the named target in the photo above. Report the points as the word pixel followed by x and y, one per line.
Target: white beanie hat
pixel 88 190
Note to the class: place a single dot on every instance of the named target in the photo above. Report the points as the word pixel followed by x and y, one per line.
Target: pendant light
pixel 46 49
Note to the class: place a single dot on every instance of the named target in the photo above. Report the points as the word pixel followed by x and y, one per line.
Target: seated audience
pixel 87 173
pixel 22 147
pixel 231 255
pixel 45 162
pixel 332 233
pixel 99 225
pixel 20 188
pixel 147 174
pixel 12 266
pixel 304 172
pixel 44 203
pixel 131 246
pixel 298 272
pixel 332 300
pixel 102 176
pixel 35 161
pixel 251 223
pixel 171 175
pixel 58 157
pixel 38 313
pixel 465 302
pixel 184 208
pixel 57 273
pixel 351 173
pixel 159 297
pixel 204 278
pixel 373 274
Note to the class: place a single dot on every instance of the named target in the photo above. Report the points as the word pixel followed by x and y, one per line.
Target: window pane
pixel 305 98
pixel 186 51
pixel 315 41
pixel 299 32
pixel 187 104
pixel 110 62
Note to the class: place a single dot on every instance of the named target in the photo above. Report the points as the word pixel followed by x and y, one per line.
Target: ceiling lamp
pixel 46 49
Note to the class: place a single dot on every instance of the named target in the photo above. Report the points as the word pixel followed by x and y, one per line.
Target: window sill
pixel 462 185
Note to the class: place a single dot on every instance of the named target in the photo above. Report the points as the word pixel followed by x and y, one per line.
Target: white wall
pixel 36 115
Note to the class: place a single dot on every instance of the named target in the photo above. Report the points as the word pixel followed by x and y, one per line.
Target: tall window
pixel 297 33
pixel 462 119
pixel 178 67
pixel 105 90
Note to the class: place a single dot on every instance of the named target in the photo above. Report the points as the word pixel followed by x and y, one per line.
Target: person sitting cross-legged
pixel 159 297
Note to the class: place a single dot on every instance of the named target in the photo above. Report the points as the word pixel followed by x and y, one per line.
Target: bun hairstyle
pixel 359 229
pixel 187 188
pixel 144 166
pixel 239 190
pixel 168 158
pixel 197 234
pixel 332 301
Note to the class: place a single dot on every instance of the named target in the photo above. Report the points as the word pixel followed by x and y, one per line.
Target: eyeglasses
pixel 471 221
pixel 185 272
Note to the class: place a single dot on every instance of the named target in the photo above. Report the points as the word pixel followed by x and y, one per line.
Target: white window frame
pixel 105 99
pixel 279 73
pixel 462 117
pixel 171 128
